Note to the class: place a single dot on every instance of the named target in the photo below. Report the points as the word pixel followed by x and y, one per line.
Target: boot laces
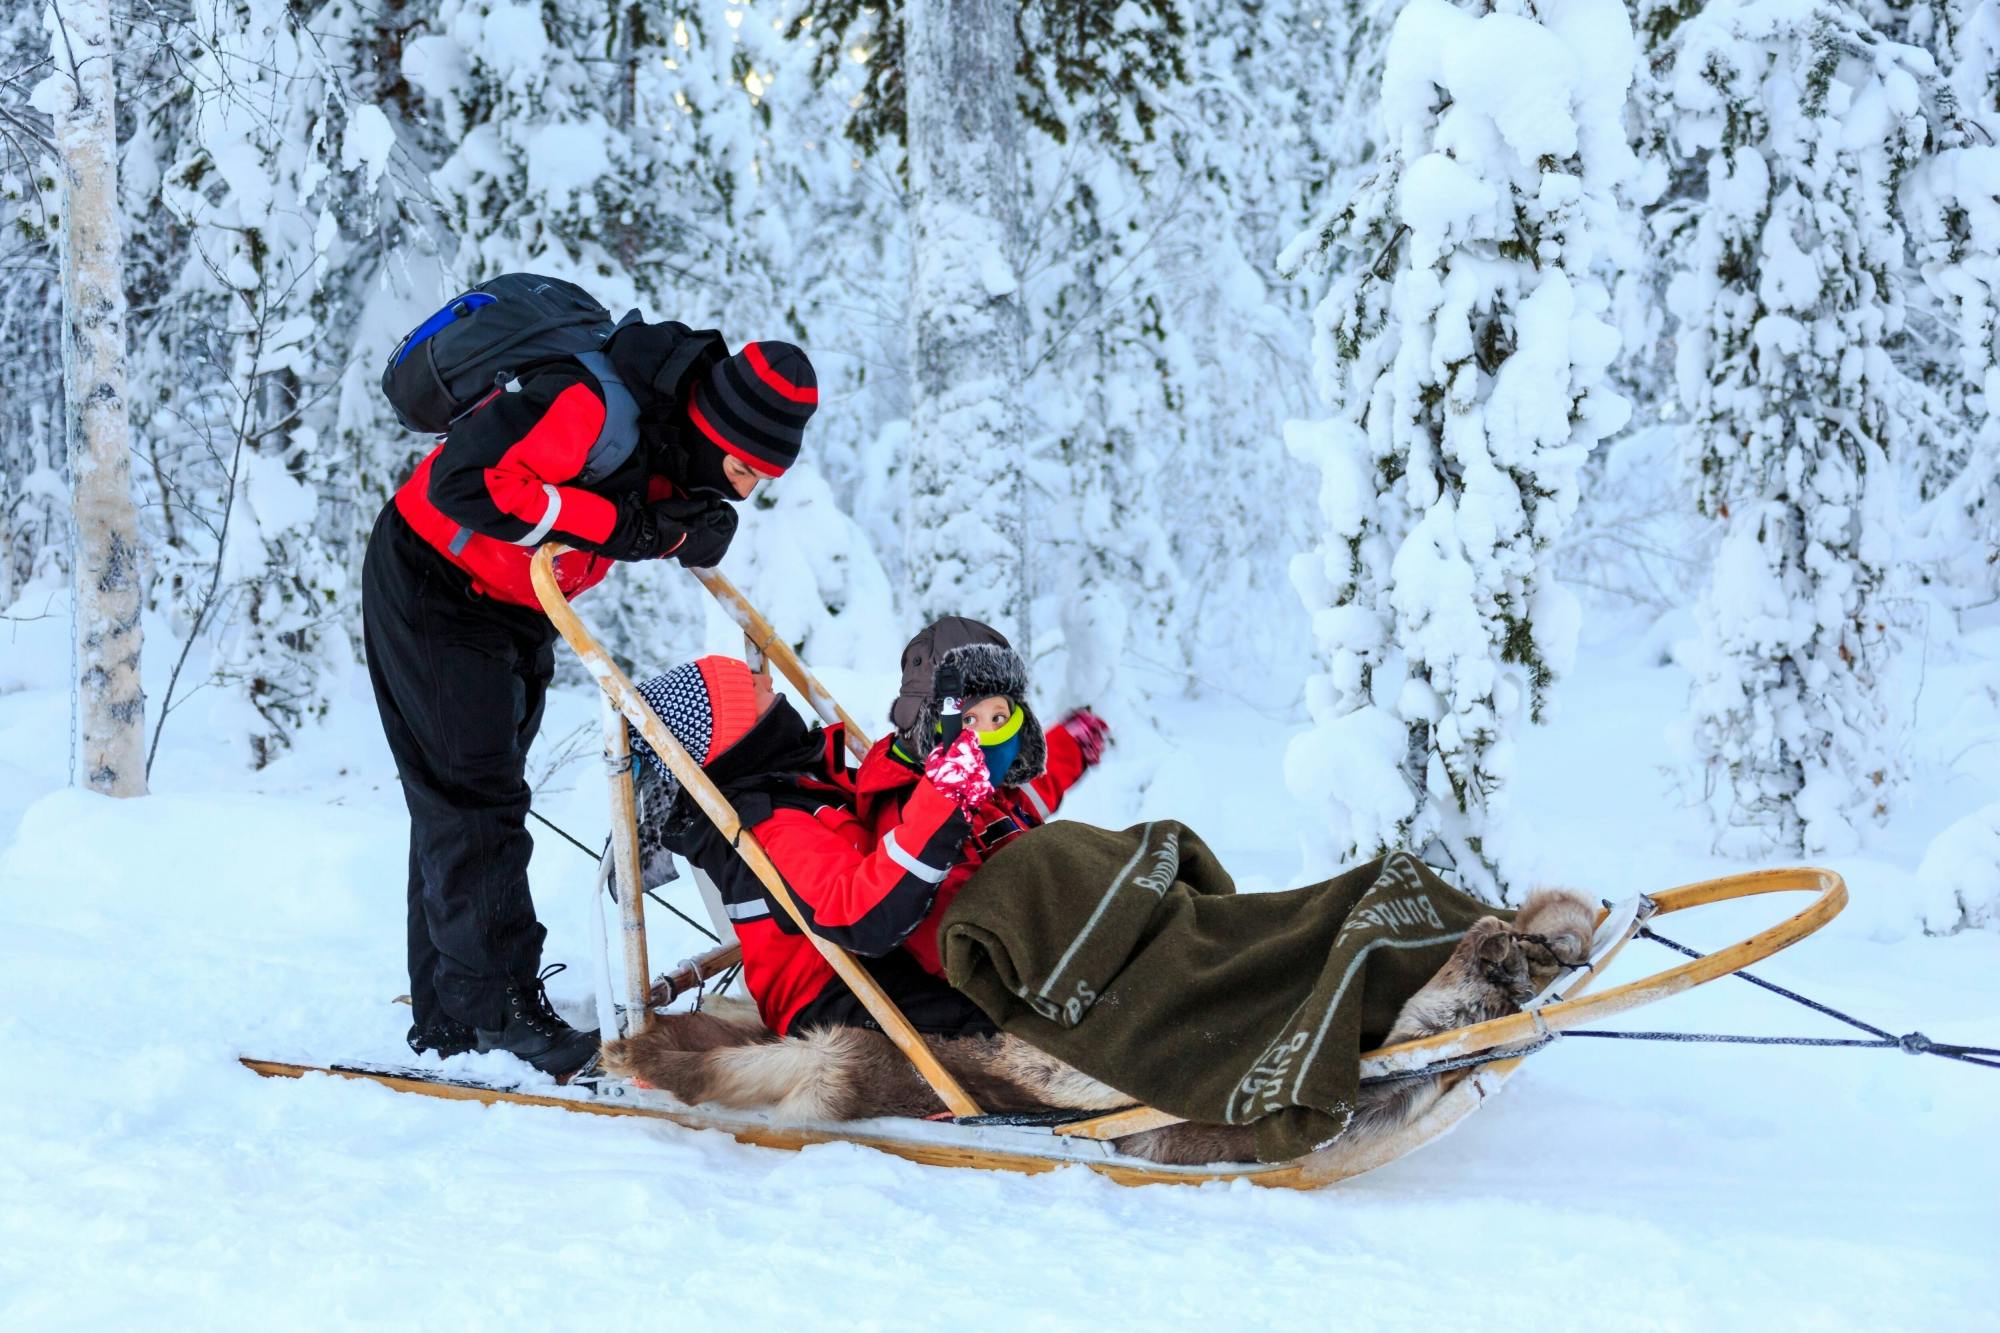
pixel 531 1002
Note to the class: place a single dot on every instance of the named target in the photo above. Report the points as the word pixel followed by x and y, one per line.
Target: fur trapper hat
pixel 985 669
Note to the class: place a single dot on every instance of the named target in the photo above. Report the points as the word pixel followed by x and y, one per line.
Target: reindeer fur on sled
pixel 723 1054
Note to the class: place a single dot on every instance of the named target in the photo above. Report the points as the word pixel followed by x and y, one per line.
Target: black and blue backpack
pixel 483 342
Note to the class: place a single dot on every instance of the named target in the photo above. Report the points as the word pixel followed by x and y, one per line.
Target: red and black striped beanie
pixel 755 405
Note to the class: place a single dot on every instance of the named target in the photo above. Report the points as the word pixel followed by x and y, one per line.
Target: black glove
pixel 948 689
pixel 685 529
pixel 710 525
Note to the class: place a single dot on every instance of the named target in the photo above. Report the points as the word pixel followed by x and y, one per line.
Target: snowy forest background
pixel 1355 358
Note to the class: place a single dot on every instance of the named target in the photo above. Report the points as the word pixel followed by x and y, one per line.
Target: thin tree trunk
pixel 105 554
pixel 967 538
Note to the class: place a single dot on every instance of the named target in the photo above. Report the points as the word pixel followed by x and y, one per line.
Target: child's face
pixel 762 695
pixel 988 714
pixel 739 476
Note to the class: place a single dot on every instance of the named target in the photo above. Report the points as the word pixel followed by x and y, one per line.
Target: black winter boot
pixel 536 1032
pixel 443 1034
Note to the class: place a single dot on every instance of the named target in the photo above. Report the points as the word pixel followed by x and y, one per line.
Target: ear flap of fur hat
pixel 983 670
pixel 920 661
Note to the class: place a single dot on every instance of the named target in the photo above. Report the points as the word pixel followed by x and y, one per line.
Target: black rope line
pixel 1460 1062
pixel 537 816
pixel 1910 1043
pixel 598 856
pixel 1914 1043
pixel 713 938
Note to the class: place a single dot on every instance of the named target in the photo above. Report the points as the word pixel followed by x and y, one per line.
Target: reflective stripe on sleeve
pixel 1035 799
pixel 541 529
pixel 928 874
pixel 750 911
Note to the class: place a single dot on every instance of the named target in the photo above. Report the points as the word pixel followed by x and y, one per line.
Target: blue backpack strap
pixel 620 435
pixel 458 308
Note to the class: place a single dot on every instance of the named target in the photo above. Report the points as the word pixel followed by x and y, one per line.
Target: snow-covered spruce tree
pixel 1789 287
pixel 966 550
pixel 1955 206
pixel 241 180
pixel 34 513
pixel 1253 165
pixel 1106 183
pixel 106 575
pixel 1463 350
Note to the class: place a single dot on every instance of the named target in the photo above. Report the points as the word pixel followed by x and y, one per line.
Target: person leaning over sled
pixel 963 679
pixel 460 655
pixel 864 891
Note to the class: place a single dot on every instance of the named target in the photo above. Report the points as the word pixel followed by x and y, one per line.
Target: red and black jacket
pixel 505 479
pixel 888 782
pixel 863 891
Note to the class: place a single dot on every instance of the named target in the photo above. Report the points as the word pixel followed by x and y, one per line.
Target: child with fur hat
pixel 964 726
pixel 864 888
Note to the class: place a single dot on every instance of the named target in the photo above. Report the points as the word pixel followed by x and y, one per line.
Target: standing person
pixel 460 655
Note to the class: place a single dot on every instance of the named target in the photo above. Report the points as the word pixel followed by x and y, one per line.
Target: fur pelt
pixel 724 1055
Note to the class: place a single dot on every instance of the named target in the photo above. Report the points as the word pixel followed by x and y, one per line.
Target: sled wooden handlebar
pixel 762 638
pixel 633 706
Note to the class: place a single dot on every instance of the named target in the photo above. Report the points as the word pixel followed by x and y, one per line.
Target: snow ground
pixel 145 1175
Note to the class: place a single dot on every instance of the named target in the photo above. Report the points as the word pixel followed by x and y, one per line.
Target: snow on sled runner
pixel 1470 1062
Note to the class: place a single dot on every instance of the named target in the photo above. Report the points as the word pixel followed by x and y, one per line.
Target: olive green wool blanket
pixel 1131 956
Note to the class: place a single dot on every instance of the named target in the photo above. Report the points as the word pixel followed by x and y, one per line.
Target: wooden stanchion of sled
pixel 1089 1142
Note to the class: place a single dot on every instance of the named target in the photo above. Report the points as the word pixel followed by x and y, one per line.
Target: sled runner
pixel 1471 1062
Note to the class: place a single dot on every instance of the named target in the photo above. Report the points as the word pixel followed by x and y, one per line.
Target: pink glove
pixel 1090 732
pixel 959 771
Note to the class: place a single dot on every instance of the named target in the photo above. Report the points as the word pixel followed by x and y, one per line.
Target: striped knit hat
pixel 754 405
pixel 709 704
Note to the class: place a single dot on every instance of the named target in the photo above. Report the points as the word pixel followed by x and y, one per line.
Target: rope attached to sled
pixel 612 888
pixel 1910 1043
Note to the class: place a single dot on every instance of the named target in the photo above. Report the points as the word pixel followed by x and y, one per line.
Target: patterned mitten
pixel 959 771
pixel 1090 732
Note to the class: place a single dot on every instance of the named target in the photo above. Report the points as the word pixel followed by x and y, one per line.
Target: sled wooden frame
pixel 1084 1142
pixel 1032 1150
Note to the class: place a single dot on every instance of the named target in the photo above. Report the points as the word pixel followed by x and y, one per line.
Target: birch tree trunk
pixel 966 537
pixel 109 751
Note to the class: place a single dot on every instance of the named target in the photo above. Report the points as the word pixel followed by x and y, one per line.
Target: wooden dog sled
pixel 965 1140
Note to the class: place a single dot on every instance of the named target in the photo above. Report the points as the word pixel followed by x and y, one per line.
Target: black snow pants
pixel 460 680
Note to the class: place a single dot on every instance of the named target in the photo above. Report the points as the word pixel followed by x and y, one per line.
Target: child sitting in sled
pixel 875 856
pixel 962 678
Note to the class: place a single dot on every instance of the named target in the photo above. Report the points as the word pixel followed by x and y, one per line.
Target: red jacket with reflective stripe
pixel 862 890
pixel 886 785
pixel 499 485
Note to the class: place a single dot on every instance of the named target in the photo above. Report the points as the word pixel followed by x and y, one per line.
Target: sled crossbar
pixel 628 703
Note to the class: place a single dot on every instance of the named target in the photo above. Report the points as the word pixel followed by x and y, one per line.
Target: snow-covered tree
pixel 242 180
pixel 1955 202
pixel 34 514
pixel 967 526
pixel 107 558
pixel 1463 350
pixel 1789 289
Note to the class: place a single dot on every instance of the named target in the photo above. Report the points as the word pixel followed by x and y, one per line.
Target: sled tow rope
pixel 598 857
pixel 1910 1043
